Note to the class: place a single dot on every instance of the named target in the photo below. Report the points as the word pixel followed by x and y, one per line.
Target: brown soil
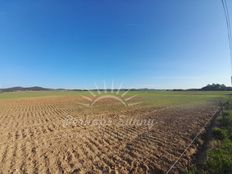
pixel 35 140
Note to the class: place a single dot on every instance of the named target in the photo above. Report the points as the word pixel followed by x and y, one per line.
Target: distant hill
pixel 18 88
pixel 210 87
pixel 216 87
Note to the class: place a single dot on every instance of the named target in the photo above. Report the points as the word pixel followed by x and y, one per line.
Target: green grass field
pixel 148 98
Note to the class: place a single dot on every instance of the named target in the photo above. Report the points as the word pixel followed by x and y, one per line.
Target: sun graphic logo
pixel 117 94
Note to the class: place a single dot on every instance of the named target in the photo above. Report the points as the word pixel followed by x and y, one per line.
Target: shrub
pixel 219 134
pixel 226 120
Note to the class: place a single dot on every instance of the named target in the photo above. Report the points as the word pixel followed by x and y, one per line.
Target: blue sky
pixel 142 43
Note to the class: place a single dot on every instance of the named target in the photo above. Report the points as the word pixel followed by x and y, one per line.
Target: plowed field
pixel 36 138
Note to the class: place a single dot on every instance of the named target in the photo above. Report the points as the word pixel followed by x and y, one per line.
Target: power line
pixel 227 17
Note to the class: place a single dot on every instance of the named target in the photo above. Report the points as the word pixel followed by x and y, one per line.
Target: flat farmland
pixel 102 131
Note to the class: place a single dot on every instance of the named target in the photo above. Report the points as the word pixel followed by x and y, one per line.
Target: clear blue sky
pixel 142 43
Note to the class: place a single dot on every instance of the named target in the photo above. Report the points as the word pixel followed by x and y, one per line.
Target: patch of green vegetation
pixel 220 159
pixel 219 134
pixel 226 120
pixel 145 98
pixel 167 98
pixel 32 94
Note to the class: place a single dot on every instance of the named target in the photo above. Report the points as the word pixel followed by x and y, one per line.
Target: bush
pixel 226 120
pixel 219 134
